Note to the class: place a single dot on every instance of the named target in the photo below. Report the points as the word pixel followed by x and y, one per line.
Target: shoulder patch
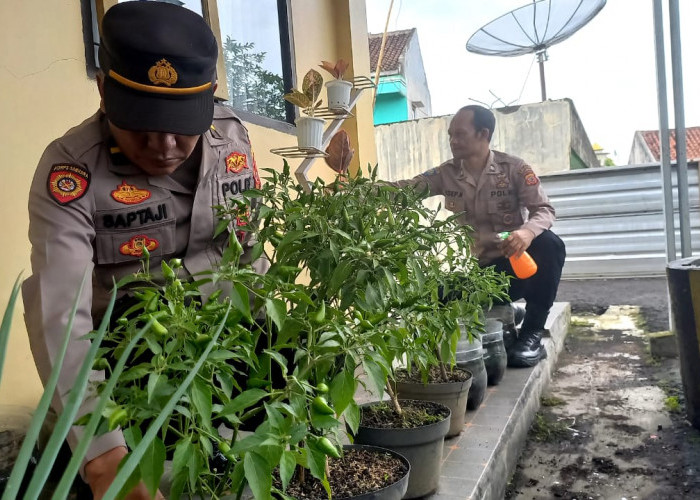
pixel 256 175
pixel 531 178
pixel 431 172
pixel 67 182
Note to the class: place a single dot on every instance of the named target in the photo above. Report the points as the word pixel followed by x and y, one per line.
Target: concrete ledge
pixel 663 344
pixel 478 463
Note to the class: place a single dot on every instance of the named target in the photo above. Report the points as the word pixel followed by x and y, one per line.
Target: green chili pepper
pixel 100 364
pixel 321 406
pixel 322 388
pixel 320 314
pixel 158 328
pixel 202 339
pixel 117 418
pixel 168 272
pixel 325 445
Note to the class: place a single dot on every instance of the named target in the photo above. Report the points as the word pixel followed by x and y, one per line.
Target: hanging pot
pixel 309 132
pixel 338 95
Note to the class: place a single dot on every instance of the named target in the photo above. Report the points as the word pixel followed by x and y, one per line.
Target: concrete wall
pixel 416 81
pixel 46 90
pixel 544 134
pixel 580 143
pixel 640 152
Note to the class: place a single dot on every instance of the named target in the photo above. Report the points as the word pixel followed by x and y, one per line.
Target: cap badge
pixel 68 183
pixel 135 245
pixel 235 162
pixel 130 195
pixel 162 73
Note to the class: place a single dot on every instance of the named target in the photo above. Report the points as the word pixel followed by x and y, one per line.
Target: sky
pixel 607 68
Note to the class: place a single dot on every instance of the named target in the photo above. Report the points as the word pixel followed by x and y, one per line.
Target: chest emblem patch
pixel 135 245
pixel 67 183
pixel 130 194
pixel 502 181
pixel 235 162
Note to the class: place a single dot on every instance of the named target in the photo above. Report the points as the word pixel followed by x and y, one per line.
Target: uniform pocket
pixel 503 213
pixel 114 246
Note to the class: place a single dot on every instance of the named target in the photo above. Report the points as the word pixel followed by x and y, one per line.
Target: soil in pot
pixel 418 434
pixel 360 471
pixel 450 388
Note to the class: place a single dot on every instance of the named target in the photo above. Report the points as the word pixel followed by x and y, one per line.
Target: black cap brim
pixel 129 109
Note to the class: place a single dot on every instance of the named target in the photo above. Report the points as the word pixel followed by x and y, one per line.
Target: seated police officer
pixel 494 191
pixel 143 172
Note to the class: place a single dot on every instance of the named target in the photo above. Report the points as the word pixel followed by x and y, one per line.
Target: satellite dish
pixel 533 28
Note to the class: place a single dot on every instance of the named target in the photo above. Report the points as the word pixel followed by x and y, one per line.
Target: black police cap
pixel 159 62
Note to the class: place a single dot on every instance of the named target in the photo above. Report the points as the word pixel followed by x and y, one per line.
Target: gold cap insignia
pixel 162 73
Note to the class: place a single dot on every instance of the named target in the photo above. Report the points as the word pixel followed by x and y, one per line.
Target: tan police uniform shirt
pixel 90 209
pixel 506 196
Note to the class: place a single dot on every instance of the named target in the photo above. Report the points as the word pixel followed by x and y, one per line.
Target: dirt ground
pixel 611 425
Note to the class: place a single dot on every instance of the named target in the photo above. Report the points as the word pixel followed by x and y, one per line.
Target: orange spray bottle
pixel 523 266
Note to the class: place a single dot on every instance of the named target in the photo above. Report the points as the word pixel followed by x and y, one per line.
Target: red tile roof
pixel 692 136
pixel 396 42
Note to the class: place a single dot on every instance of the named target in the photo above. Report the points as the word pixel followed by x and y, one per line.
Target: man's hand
pixel 517 242
pixel 101 471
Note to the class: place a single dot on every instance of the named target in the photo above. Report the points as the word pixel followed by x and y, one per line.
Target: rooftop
pixel 651 138
pixel 396 42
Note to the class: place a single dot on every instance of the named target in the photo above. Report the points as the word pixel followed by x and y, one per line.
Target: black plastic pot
pixel 451 394
pixel 470 357
pixel 684 289
pixel 422 446
pixel 394 491
pixel 495 356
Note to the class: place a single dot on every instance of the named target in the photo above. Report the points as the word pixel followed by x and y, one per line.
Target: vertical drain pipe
pixel 679 114
pixel 662 99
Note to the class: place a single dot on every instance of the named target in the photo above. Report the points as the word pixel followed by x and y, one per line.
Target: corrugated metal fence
pixel 612 220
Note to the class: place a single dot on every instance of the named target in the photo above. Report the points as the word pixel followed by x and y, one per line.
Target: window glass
pixel 250 37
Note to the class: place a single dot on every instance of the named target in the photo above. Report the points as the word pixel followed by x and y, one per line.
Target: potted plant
pixel 188 372
pixel 365 249
pixel 310 127
pixel 338 90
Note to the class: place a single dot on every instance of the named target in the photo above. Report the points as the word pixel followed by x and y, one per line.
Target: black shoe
pixel 518 313
pixel 510 336
pixel 527 351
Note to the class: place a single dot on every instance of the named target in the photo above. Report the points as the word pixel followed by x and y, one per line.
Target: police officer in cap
pixel 494 191
pixel 142 173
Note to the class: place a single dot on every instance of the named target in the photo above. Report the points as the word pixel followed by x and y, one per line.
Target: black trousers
pixel 540 290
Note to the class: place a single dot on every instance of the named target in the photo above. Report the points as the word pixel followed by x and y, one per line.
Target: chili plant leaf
pixel 152 465
pixel 259 475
